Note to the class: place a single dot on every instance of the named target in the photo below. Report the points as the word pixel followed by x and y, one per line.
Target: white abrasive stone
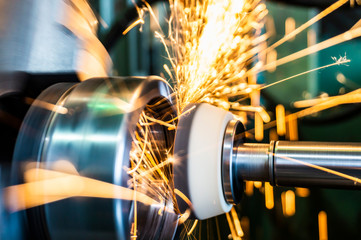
pixel 204 168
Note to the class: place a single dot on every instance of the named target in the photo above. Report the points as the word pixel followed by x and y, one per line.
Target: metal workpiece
pixel 320 164
pixel 301 164
pixel 254 161
pixel 91 125
pixel 156 221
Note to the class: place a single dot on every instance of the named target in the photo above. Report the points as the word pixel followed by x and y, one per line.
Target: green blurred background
pixel 139 53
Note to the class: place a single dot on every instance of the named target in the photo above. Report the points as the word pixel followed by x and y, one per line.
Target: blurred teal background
pixel 139 53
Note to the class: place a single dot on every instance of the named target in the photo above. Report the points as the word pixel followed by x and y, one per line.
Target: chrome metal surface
pixel 253 162
pixel 91 127
pixel 49 36
pixel 301 164
pixel 231 187
pixel 318 164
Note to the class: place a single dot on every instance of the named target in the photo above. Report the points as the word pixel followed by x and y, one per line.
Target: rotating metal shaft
pixel 288 163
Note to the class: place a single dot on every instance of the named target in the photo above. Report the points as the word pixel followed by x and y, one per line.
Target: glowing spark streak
pixel 161 38
pixel 258 127
pixel 237 223
pixel 257 184
pixel 153 163
pixel 187 213
pixel 131 26
pixel 354 179
pixel 143 153
pixel 135 209
pixel 322 225
pixel 263 114
pixel 312 102
pixel 59 186
pixel 346 36
pixel 162 164
pixel 280 120
pixel 292 128
pixel 166 68
pixel 150 9
pixel 288 203
pixel 269 198
pixel 231 227
pixel 307 24
pixel 249 188
pixel 184 216
pixel 182 114
pixel 149 156
pixel 48 106
pixel 184 197
pixel 193 227
pixel 352 97
pixel 302 192
pixel 171 126
pixel 306 72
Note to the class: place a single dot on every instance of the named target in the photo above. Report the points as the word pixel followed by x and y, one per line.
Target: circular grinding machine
pixel 92 124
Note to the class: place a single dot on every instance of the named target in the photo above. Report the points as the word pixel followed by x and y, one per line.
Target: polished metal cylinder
pixel 253 162
pixel 321 164
pixel 301 164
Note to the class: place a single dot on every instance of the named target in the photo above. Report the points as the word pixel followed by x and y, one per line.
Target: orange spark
pixel 41 190
pixel 322 225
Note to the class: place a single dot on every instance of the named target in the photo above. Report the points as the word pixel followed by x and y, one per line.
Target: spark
pixel 236 222
pixel 257 184
pixel 134 226
pixel 280 120
pixel 45 105
pixel 39 189
pixel 211 46
pixel 338 62
pixel 269 199
pixel 205 69
pixel 324 169
pixel 193 227
pixel 288 203
pixel 343 37
pixel 322 225
pixel 249 188
pixel 231 227
pixel 302 192
pixel 348 98
pixel 307 24
pixel 131 26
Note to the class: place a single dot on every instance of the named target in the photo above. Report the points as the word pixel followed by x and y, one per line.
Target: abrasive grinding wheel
pixel 198 160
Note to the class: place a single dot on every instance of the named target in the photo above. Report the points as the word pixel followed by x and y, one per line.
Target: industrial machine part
pixel 50 37
pixel 43 43
pixel 91 125
pixel 212 161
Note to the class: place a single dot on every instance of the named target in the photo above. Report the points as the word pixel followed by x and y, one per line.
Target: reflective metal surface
pixel 296 164
pixel 301 164
pixel 51 36
pixel 253 161
pixel 231 187
pixel 91 127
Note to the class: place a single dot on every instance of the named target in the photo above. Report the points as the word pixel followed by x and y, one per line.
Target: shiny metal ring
pixel 232 187
pixel 91 124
